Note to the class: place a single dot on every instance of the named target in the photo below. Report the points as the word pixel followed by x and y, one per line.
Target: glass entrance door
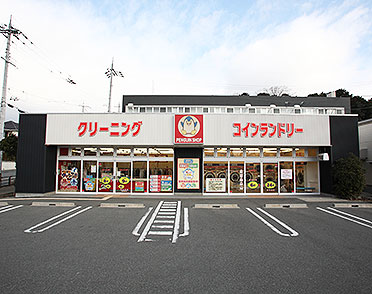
pixel 106 177
pixel 270 177
pixel 123 177
pixel 253 177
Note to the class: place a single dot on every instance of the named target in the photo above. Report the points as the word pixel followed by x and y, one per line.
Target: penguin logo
pixel 189 126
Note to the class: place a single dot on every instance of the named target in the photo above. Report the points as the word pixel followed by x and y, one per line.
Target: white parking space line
pixel 31 230
pixel 338 214
pixel 186 225
pixel 276 230
pixel 351 215
pixel 135 232
pixel 10 208
pixel 5 207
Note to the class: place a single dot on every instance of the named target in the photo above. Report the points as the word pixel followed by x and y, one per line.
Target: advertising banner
pixel 188 173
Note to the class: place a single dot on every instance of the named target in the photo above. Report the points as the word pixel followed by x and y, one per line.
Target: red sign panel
pixel 188 129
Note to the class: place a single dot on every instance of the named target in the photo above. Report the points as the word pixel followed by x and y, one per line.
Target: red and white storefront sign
pixel 188 129
pixel 126 129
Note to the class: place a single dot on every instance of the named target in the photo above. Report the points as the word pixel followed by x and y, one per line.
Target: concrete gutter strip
pixel 216 206
pixel 3 203
pixel 122 205
pixel 63 204
pixel 295 205
pixel 353 205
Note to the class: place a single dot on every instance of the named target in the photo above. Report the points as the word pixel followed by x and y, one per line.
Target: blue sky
pixel 184 47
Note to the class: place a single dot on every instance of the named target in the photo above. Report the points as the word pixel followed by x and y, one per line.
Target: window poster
pixel 215 185
pixel 188 173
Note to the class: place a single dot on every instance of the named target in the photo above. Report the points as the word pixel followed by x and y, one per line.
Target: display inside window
pixel 140 152
pixel 312 152
pixel 90 151
pixel 269 152
pixel 270 178
pixel 68 176
pixel 286 152
pixel 208 152
pixel 139 181
pixel 106 177
pixel 253 177
pixel 75 151
pixel 253 152
pixel 215 177
pixel 106 151
pixel 236 177
pixel 123 151
pixel 286 177
pixel 89 176
pixel 307 177
pixel 63 151
pixel 221 152
pixel 161 176
pixel 160 152
pixel 300 152
pixel 236 152
pixel 123 177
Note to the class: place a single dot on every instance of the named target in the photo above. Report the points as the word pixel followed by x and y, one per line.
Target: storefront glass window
pixel 286 152
pixel 269 152
pixel 300 152
pixel 312 152
pixel 75 151
pixel 106 151
pixel 236 177
pixel 68 176
pixel 221 152
pixel 215 177
pixel 90 151
pixel 123 152
pixel 286 177
pixel 123 176
pixel 208 152
pixel 140 152
pixel 106 177
pixel 161 176
pixel 270 177
pixel 160 152
pixel 89 176
pixel 253 178
pixel 236 152
pixel 139 184
pixel 255 152
pixel 63 151
pixel 307 177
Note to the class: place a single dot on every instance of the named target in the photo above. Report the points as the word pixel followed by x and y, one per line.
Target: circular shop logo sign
pixel 189 126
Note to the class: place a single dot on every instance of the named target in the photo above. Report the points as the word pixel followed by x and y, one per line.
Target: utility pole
pixel 110 72
pixel 112 68
pixel 7 32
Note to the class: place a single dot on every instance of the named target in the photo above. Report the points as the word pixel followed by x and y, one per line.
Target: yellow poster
pixel 188 173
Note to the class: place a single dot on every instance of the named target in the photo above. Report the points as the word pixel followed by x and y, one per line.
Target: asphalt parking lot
pixel 185 246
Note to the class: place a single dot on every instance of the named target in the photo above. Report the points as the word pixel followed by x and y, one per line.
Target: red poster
pixel 188 129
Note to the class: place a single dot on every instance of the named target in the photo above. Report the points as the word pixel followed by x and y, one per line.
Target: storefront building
pixel 165 145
